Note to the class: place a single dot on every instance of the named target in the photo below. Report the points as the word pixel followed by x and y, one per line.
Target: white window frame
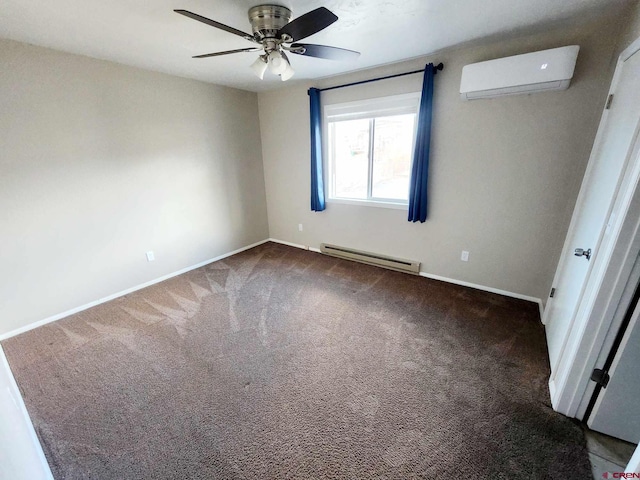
pixel 370 108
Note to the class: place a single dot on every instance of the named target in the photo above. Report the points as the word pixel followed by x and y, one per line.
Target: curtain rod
pixel 440 66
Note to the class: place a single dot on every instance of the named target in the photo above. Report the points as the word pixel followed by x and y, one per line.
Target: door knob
pixel 579 252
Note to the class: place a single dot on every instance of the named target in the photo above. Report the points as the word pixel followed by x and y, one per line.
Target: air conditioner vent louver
pixel 399 264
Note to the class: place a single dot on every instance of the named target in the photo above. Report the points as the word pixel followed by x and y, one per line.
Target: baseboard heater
pixel 399 264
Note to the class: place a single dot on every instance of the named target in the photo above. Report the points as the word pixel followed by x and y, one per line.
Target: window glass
pixel 393 142
pixel 370 148
pixel 351 158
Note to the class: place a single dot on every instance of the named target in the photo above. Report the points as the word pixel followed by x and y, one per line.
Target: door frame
pixel 607 276
pixel 600 425
pixel 626 308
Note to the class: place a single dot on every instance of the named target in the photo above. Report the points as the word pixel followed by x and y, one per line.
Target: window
pixel 369 150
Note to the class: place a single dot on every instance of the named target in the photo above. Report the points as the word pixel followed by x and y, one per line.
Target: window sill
pixel 369 203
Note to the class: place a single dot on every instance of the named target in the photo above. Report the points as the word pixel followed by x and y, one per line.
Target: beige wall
pixel 631 30
pixel 504 173
pixel 100 162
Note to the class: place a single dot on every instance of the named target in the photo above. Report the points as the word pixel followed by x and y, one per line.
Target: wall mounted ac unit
pixel 532 72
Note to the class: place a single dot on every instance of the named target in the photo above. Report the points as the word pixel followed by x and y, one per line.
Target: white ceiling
pixel 150 35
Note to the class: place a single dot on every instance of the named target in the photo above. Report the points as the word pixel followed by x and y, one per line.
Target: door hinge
pixel 609 100
pixel 601 377
pixel 552 293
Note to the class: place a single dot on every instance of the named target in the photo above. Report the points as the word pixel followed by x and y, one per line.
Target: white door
pixel 593 207
pixel 605 171
pixel 617 410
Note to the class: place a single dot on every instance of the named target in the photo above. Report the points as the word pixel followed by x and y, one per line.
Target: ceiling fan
pixel 276 34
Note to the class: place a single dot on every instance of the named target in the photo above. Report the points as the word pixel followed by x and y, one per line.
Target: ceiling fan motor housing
pixel 273 29
pixel 266 20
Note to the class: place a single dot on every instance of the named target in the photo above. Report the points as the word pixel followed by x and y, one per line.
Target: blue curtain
pixel 317 184
pixel 420 169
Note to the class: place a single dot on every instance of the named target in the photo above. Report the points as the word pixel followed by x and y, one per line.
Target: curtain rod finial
pixel 440 66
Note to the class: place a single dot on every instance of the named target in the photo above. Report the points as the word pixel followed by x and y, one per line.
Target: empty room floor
pixel 607 454
pixel 283 363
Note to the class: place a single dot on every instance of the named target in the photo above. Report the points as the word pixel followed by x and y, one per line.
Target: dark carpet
pixel 283 363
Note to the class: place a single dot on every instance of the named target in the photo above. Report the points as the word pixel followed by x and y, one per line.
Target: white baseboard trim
pixel 296 245
pixel 486 289
pixel 58 316
pixel 552 392
pixel 33 449
pixel 442 279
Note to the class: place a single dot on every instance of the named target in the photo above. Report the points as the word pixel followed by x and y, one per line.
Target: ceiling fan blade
pixel 323 51
pixel 219 25
pixel 217 54
pixel 308 24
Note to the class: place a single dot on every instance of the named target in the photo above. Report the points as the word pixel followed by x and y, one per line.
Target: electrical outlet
pixel 299 227
pixel 150 256
pixel 464 256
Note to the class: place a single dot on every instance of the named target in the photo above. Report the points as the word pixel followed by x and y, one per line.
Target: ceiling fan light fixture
pixel 259 66
pixel 277 64
pixel 274 33
pixel 288 73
